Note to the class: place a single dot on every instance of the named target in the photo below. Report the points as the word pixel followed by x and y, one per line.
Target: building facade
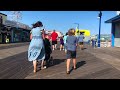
pixel 11 31
pixel 115 30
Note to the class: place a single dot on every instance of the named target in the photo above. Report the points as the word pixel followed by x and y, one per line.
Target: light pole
pixel 100 15
pixel 78 29
pixel 77 26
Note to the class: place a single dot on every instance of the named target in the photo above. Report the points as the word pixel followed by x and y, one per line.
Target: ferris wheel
pixel 15 15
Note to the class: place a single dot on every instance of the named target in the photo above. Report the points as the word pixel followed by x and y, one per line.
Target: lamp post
pixel 100 15
pixel 78 29
pixel 77 26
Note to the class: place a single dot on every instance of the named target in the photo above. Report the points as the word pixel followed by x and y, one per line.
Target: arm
pixel 76 40
pixel 31 35
pixel 43 36
pixel 83 37
pixel 76 43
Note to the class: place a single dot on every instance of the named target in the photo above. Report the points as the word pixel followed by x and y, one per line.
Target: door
pixel 117 35
pixel 3 37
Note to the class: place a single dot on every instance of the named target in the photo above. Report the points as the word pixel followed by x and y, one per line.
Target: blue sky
pixel 63 20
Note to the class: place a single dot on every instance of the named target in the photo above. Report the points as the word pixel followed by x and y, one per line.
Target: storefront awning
pixel 16 24
pixel 114 19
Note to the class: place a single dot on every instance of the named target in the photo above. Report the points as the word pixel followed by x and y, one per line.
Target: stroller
pixel 48 52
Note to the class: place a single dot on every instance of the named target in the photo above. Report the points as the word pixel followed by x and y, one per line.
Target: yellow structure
pixel 86 32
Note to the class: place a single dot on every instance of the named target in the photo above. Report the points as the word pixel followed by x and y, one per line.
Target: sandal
pixel 34 71
pixel 43 67
pixel 75 68
pixel 68 72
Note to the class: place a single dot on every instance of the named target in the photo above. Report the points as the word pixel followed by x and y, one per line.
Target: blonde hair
pixel 71 32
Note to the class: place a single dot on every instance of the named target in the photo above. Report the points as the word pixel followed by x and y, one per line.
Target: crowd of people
pixel 41 46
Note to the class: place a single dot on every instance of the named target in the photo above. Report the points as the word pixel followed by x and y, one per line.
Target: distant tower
pixel 15 15
pixel 118 12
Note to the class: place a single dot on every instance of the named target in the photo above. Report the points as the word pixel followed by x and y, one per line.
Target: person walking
pixel 71 46
pixel 54 37
pixel 64 38
pixel 48 50
pixel 36 51
pixel 61 43
pixel 80 41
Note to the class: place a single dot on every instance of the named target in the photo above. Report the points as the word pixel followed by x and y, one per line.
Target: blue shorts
pixel 71 54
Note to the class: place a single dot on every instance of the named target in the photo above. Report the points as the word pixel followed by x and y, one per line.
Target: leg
pixel 46 61
pixel 42 65
pixel 55 44
pixel 74 59
pixel 65 51
pixel 68 61
pixel 74 63
pixel 53 47
pixel 60 47
pixel 80 46
pixel 63 47
pixel 68 65
pixel 35 66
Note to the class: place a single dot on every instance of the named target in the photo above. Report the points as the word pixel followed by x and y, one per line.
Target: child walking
pixel 48 50
pixel 61 43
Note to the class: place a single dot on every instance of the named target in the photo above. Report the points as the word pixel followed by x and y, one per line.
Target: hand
pixel 76 45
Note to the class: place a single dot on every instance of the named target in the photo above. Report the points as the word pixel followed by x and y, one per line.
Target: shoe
pixel 65 51
pixel 43 67
pixel 34 71
pixel 68 72
pixel 75 68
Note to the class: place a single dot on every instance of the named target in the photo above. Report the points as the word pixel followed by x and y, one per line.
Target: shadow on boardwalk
pixel 50 64
pixel 57 61
pixel 79 64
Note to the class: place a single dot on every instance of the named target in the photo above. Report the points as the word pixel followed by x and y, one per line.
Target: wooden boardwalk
pixel 91 64
pixel 15 67
pixel 88 67
pixel 11 45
